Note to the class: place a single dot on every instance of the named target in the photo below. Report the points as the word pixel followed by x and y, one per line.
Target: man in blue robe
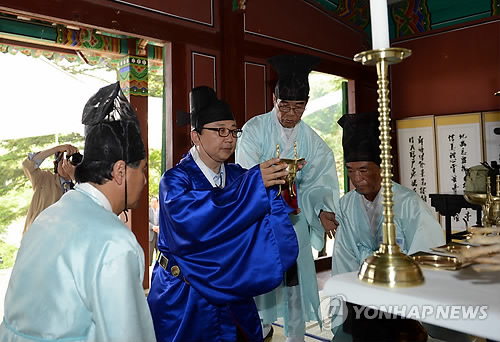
pixel 224 235
pixel 78 274
pixel 360 215
pixel 297 299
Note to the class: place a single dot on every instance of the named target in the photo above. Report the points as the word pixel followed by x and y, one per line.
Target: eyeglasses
pixel 224 132
pixel 284 107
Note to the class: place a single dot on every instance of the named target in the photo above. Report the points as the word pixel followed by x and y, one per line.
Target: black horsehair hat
pixel 112 128
pixel 361 137
pixel 293 73
pixel 204 108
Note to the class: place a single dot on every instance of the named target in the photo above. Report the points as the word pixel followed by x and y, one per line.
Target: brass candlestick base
pixel 388 266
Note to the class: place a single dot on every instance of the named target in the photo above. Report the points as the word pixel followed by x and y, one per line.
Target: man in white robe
pixel 297 299
pixel 78 274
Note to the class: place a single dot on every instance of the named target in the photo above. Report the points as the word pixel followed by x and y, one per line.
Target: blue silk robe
pixel 77 277
pixel 416 229
pixel 317 188
pixel 230 244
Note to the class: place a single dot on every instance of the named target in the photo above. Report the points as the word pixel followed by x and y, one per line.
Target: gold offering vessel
pixel 389 266
pixel 292 167
pixel 440 262
pixel 490 203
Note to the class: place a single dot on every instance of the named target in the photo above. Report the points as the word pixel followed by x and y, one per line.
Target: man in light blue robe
pixel 225 236
pixel 79 271
pixel 360 215
pixel 360 218
pixel 297 299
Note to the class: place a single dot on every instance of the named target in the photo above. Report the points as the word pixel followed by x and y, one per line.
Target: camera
pixel 75 158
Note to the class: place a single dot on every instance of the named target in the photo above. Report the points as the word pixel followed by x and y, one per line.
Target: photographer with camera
pixel 49 186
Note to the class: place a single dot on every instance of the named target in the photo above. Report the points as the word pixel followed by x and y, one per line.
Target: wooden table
pixel 449 205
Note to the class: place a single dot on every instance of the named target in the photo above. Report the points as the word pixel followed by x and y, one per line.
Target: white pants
pixel 296 324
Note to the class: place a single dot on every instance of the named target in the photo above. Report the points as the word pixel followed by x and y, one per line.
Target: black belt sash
pixel 163 261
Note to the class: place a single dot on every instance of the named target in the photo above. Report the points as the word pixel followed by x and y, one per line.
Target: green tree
pixel 155 84
pixel 154 171
pixel 324 121
pixel 82 68
pixel 8 253
pixel 155 88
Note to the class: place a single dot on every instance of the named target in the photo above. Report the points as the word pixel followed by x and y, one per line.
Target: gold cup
pixel 292 167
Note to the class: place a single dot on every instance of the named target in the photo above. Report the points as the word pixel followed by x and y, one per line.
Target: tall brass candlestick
pixel 388 266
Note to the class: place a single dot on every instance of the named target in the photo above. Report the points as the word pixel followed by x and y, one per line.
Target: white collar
pixel 209 174
pixel 376 200
pixel 373 210
pixel 95 194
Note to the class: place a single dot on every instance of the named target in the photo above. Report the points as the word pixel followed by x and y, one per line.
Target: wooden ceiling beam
pixel 116 18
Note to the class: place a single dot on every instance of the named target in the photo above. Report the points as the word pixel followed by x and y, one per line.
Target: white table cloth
pixel 465 300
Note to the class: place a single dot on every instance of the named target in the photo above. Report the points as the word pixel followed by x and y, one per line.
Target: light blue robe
pixel 416 229
pixel 77 277
pixel 317 188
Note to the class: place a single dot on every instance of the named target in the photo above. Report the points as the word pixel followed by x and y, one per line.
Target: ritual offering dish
pixel 452 248
pixel 441 262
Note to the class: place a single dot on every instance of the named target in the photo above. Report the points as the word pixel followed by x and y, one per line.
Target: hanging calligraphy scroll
pixel 417 156
pixel 459 147
pixel 491 142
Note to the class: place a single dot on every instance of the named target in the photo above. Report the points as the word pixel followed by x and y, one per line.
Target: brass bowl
pixel 491 211
pixel 475 198
pixel 435 261
pixel 478 198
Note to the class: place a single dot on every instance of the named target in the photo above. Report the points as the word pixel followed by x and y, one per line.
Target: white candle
pixel 379 24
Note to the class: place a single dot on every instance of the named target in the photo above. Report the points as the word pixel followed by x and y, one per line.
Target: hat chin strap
pixel 125 210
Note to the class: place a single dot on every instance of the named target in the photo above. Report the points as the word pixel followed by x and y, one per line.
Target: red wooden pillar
pixel 134 83
pixel 233 75
pixel 177 87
